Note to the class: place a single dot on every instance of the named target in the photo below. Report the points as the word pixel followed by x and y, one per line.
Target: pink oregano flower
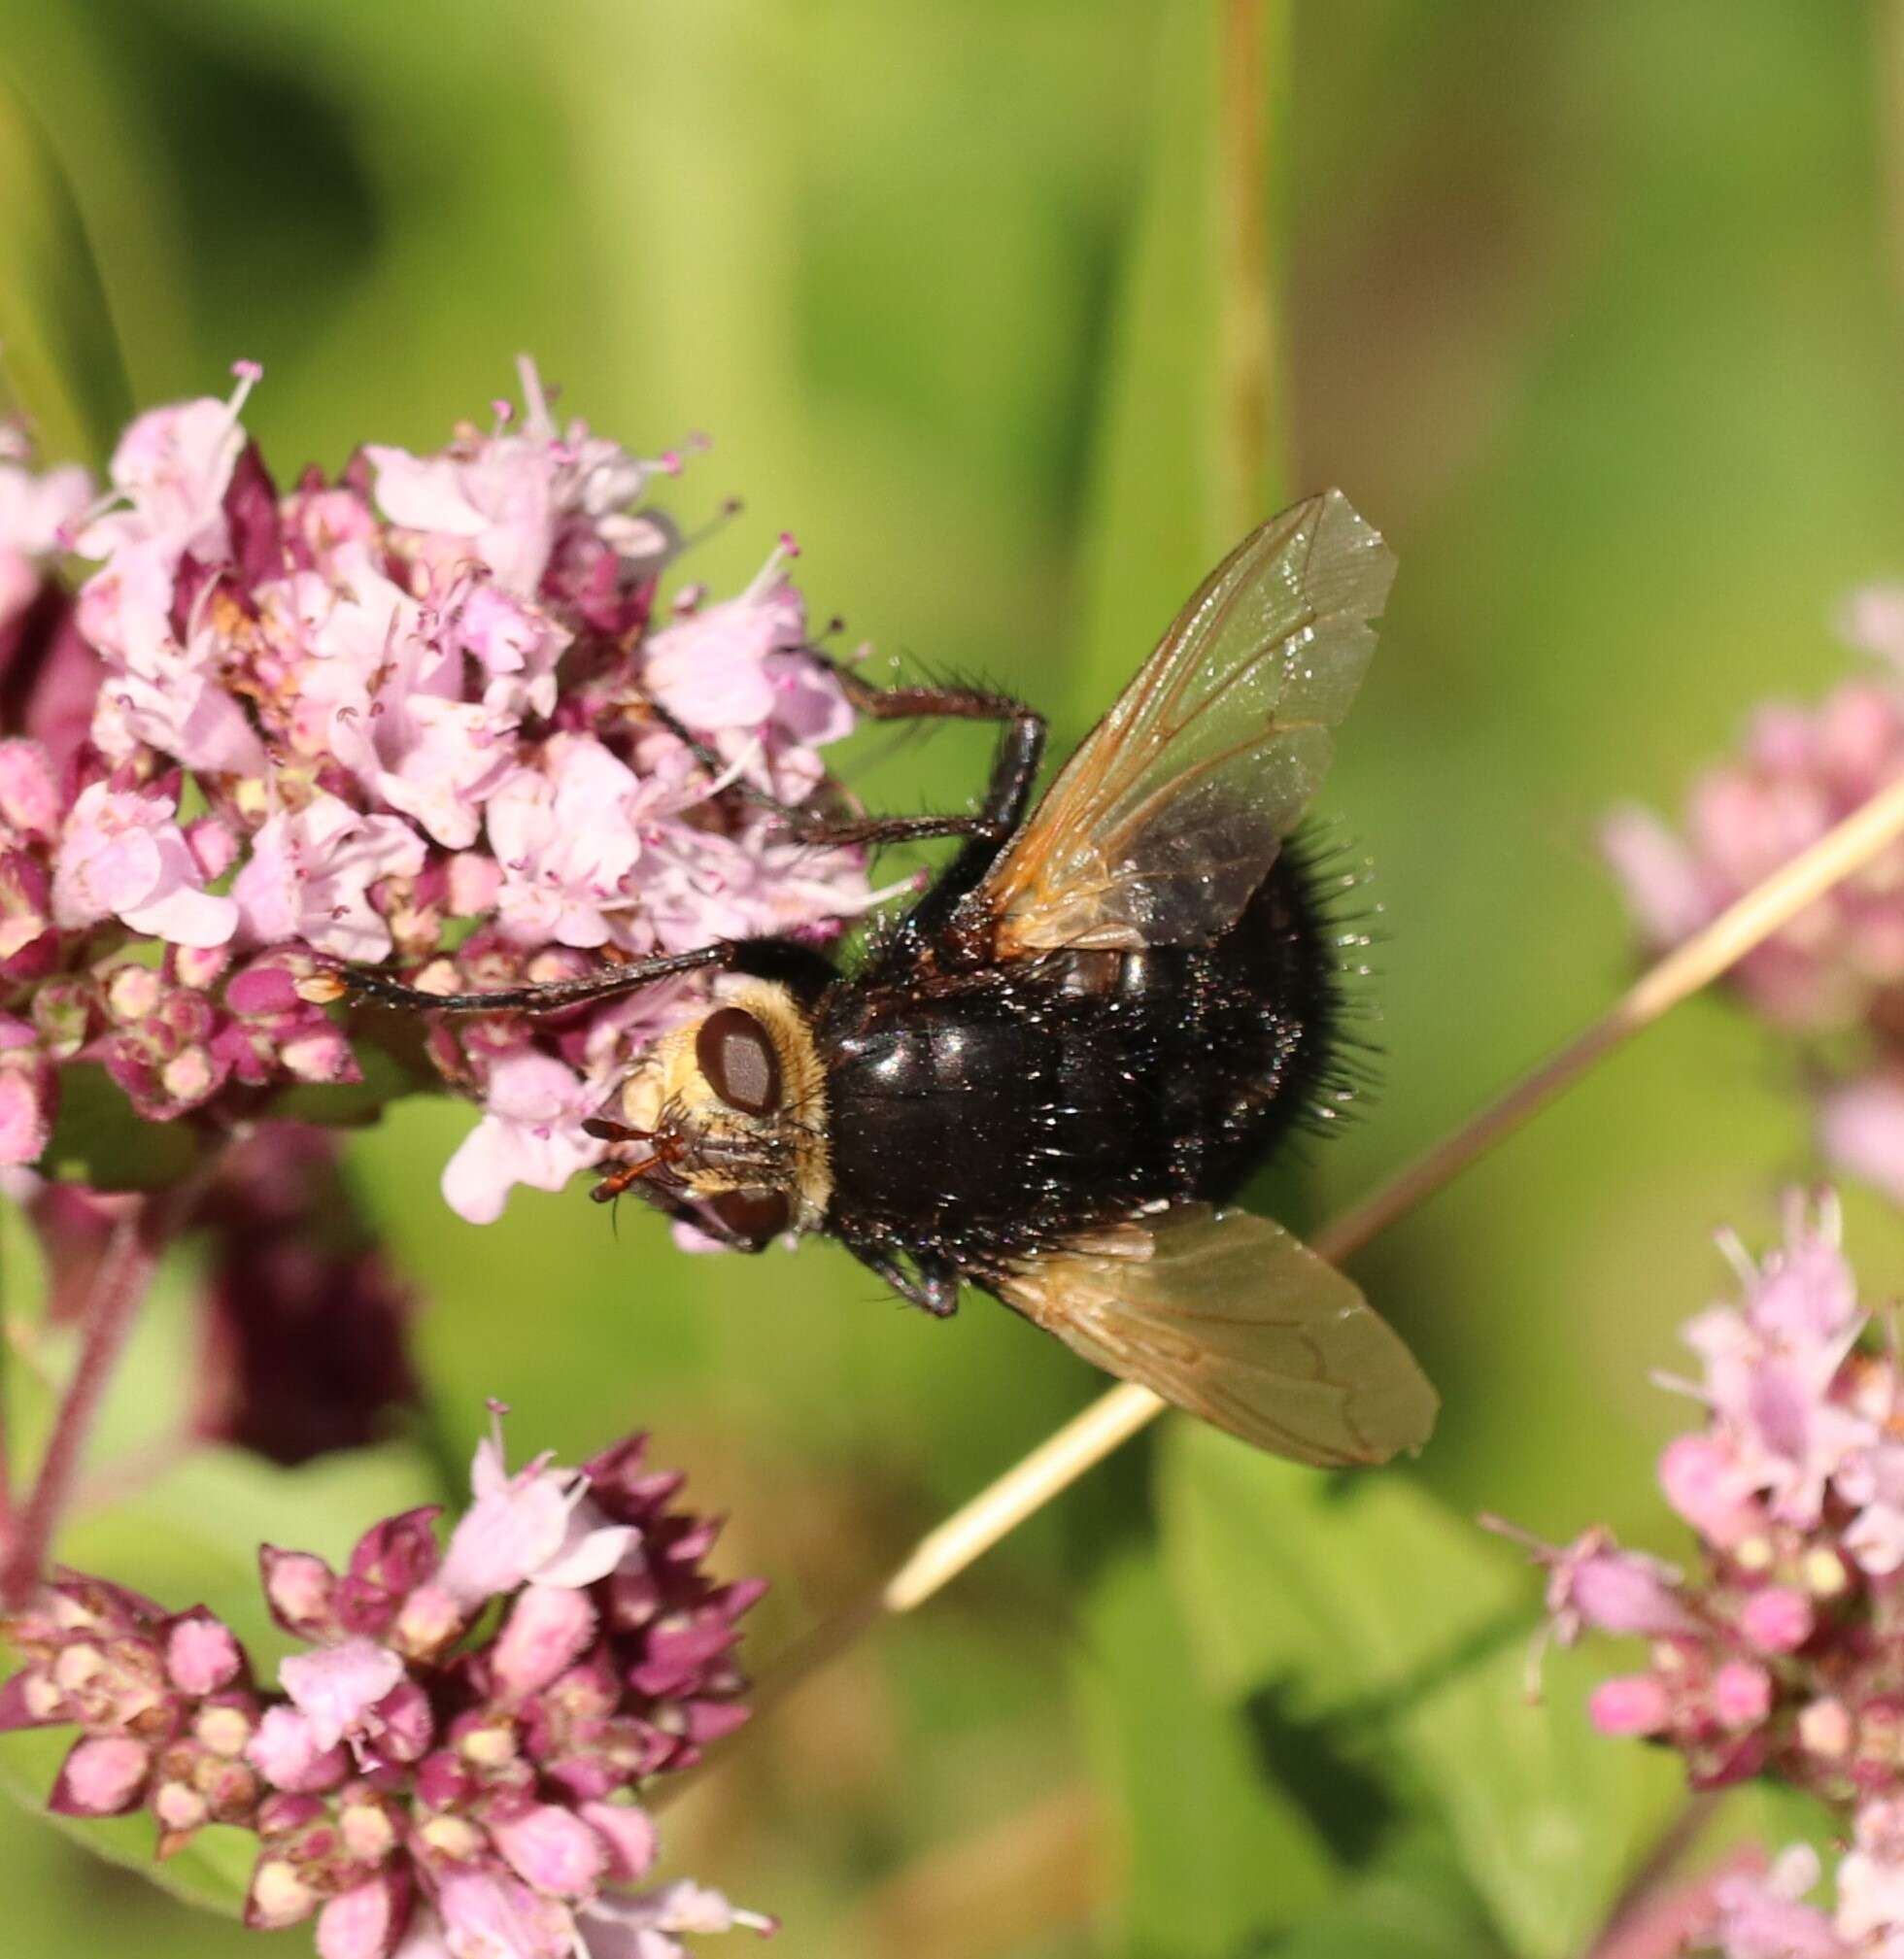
pixel 416 1785
pixel 1835 976
pixel 1781 1655
pixel 426 712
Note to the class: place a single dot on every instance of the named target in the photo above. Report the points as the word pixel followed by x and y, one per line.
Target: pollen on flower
pixel 477 1794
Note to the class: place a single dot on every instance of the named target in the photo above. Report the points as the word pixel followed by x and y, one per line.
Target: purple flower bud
pixel 104 1776
pixel 708 1721
pixel 279 1895
pixel 367 1921
pixel 553 1849
pixel 393 1559
pixel 1618 1591
pixel 282 1817
pixel 201 1654
pixel 28 1091
pixel 301 1591
pixel 402 1724
pixel 1777 1619
pixel 1632 1704
pixel 1742 1694
pixel 546 1631
pixel 443 1780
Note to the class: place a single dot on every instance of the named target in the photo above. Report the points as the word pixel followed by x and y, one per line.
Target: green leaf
pixel 61 351
pixel 1217 1855
pixel 1371 1607
pixel 213 1871
pixel 99 1140
pixel 1352 1590
pixel 1414 1904
pixel 1552 1818
pixel 351 1104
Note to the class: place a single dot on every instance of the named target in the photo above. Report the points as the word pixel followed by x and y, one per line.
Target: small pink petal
pixel 553 1851
pixel 1661 881
pixel 486 1917
pixel 1704 1483
pixel 1861 1131
pixel 629 1833
pixel 284 1751
pixel 336 1687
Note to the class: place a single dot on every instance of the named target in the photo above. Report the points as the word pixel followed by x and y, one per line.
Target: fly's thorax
pixel 738 1094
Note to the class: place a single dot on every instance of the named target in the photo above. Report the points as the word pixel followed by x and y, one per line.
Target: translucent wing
pixel 1230 1317
pixel 1170 815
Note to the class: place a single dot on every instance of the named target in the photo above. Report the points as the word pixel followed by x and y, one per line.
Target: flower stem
pixel 119 1286
pixel 1113 1418
pixel 6 1433
pixel 1650 1917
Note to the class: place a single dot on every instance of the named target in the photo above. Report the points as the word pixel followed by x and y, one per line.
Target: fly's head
pixel 730 1107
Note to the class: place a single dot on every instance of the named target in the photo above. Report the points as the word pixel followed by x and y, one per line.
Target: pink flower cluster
pixel 426 711
pixel 1786 1656
pixel 416 1790
pixel 1836 973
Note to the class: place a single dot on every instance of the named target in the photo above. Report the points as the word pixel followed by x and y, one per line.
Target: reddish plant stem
pixel 119 1286
pixel 6 1445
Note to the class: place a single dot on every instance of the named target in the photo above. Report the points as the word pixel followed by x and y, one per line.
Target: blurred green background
pixel 1595 310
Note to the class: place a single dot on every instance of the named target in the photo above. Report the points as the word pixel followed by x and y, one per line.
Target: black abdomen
pixel 986 1114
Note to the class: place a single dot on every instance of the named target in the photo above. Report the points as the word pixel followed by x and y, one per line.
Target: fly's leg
pixel 1013 772
pixel 622 1178
pixel 1021 747
pixel 361 983
pixel 933 1289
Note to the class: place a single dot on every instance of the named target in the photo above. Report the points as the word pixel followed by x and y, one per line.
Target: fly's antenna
pixel 348 982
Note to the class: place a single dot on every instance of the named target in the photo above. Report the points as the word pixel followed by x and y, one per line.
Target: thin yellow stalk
pixel 1116 1417
pixel 1248 100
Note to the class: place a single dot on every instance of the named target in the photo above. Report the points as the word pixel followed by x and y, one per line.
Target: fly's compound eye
pixel 736 1056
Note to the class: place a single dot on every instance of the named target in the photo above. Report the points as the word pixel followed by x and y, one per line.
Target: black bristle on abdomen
pixel 1329 879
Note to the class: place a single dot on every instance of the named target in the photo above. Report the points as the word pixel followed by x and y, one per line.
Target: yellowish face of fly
pixel 740 1096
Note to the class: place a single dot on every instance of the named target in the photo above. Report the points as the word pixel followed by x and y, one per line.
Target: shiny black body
pixel 981 1113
